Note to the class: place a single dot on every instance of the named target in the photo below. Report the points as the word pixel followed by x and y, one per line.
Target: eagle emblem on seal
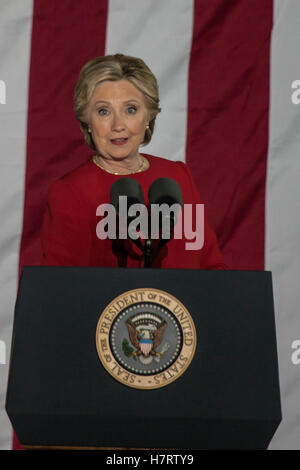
pixel 146 332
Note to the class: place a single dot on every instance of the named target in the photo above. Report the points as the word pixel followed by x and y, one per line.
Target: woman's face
pixel 117 117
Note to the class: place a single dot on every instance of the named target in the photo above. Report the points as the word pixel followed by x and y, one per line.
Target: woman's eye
pixel 102 112
pixel 131 109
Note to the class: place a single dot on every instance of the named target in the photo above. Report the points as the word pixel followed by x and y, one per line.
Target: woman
pixel 116 102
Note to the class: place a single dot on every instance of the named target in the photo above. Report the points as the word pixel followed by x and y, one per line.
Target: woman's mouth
pixel 121 141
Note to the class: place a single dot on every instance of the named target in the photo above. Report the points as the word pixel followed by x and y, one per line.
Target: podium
pixel 61 393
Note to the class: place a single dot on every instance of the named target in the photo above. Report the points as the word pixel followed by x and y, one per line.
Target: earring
pixel 147 127
pixel 89 130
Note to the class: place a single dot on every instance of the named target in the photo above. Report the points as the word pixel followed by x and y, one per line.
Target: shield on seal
pixel 146 345
pixel 146 332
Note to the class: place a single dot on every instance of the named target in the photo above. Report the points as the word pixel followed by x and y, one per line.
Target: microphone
pixel 124 193
pixel 165 190
pixel 126 187
pixel 165 199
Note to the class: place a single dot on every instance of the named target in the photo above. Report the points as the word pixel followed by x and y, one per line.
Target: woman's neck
pixel 123 167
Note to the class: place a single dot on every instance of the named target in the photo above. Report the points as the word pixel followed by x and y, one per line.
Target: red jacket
pixel 69 230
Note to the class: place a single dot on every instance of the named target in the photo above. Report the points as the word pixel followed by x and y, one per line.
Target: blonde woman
pixel 116 103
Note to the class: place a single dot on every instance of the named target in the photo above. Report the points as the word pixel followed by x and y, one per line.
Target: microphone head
pixel 126 187
pixel 165 199
pixel 165 191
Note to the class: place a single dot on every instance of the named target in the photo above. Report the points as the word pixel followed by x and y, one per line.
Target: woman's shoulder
pixel 78 177
pixel 165 165
pixel 80 173
pixel 177 170
pixel 163 162
pixel 160 160
pixel 79 184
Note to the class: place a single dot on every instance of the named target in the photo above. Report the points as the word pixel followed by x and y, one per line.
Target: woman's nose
pixel 118 122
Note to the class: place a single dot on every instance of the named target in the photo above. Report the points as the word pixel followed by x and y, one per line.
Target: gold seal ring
pixel 146 338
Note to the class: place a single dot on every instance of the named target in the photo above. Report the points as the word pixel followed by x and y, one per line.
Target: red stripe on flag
pixel 227 138
pixel 64 38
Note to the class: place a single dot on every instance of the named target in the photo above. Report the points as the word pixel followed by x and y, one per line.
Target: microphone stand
pixel 148 254
pixel 147 249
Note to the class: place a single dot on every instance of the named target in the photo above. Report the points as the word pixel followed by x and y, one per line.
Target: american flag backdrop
pixel 229 80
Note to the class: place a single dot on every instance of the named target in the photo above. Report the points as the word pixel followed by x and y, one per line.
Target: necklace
pixel 140 168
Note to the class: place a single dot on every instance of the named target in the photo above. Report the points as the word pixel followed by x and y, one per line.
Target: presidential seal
pixel 145 338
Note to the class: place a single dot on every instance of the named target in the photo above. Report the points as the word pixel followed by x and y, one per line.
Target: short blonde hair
pixel 115 67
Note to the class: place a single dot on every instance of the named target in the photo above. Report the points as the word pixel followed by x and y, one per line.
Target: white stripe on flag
pixel 282 252
pixel 15 33
pixel 160 33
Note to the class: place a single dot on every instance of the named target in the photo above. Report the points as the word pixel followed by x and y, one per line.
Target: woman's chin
pixel 119 154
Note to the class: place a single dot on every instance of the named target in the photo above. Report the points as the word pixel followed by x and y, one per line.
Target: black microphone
pixel 126 187
pixel 165 199
pixel 165 190
pixel 134 195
